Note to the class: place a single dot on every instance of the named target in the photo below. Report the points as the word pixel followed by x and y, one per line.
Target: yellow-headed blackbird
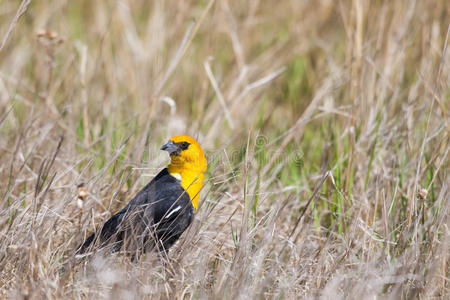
pixel 158 215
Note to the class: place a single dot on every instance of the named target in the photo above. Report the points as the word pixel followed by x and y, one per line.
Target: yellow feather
pixel 191 165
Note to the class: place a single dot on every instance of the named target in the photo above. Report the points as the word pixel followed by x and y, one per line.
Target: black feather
pixel 155 218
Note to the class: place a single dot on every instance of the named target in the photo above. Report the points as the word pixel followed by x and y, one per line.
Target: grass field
pixel 325 125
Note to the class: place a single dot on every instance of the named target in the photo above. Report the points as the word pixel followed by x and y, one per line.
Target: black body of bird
pixel 156 217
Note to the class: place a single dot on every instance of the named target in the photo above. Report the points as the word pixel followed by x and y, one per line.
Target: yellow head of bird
pixel 187 163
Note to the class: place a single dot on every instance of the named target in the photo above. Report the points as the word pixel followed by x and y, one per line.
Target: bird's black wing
pixel 168 215
pixel 156 216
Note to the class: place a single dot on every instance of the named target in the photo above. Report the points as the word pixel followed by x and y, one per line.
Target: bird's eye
pixel 184 145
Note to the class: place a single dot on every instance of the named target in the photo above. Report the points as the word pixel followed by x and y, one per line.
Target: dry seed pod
pixel 422 194
pixel 52 34
pixel 40 33
pixel 82 194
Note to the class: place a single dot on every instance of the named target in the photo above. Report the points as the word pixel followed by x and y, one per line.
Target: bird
pixel 159 214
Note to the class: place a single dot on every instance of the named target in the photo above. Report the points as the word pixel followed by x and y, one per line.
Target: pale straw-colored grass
pixel 325 125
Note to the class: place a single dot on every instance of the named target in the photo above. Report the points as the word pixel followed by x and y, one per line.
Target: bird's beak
pixel 171 148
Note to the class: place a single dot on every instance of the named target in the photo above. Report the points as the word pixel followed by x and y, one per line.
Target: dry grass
pixel 340 103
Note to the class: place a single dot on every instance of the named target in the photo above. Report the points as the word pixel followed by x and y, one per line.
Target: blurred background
pixel 325 124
